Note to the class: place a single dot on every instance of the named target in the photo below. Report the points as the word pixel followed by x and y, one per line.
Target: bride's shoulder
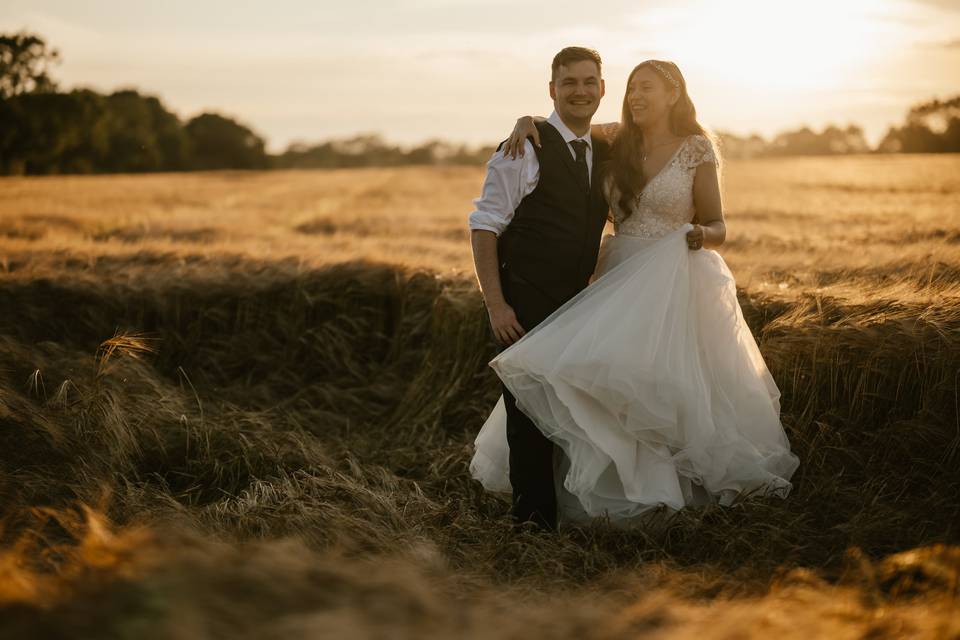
pixel 697 149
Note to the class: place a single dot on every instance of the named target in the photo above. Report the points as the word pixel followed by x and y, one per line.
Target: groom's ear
pixel 553 91
pixel 603 88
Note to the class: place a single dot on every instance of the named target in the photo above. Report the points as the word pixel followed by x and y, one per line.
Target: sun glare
pixel 817 44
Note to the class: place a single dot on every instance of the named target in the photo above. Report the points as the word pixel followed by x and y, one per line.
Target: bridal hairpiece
pixel 666 74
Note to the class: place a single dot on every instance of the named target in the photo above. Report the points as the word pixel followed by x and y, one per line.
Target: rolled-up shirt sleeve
pixel 508 182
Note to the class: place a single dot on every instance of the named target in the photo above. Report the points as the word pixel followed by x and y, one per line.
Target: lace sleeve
pixel 698 150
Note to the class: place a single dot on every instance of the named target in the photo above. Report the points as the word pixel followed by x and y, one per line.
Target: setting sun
pixel 772 45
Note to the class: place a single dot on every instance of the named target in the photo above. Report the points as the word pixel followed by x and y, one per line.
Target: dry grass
pixel 265 386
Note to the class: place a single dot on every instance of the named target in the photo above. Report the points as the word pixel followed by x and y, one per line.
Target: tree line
pixel 47 131
pixel 368 150
pixel 930 127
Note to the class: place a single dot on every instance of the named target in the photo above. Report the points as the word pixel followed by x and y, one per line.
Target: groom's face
pixel 576 90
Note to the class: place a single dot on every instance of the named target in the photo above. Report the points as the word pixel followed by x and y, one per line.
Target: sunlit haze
pixel 464 70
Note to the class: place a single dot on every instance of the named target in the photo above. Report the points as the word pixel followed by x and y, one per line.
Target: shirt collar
pixel 565 132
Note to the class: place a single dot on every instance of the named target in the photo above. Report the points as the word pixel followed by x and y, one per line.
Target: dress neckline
pixel 664 167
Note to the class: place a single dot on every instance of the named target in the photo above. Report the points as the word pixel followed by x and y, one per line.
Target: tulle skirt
pixel 652 385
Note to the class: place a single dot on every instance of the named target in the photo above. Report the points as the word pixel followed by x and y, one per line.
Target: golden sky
pixel 465 69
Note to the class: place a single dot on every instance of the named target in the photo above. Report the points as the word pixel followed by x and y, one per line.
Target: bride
pixel 649 380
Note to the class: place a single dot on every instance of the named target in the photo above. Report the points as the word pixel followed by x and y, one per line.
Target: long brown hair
pixel 626 164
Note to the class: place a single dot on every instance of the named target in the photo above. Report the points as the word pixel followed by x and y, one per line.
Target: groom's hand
pixel 504 323
pixel 695 238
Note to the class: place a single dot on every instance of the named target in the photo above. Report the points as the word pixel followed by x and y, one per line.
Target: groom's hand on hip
pixel 504 323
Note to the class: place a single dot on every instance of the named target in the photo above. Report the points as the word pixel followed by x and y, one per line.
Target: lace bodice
pixel 666 202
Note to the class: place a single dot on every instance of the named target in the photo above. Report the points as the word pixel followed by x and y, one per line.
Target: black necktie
pixel 580 148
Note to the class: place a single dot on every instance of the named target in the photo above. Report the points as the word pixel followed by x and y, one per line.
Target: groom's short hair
pixel 574 54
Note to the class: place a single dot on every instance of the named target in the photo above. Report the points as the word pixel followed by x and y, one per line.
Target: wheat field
pixel 243 404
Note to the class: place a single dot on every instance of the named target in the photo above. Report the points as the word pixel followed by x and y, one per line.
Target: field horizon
pixel 244 404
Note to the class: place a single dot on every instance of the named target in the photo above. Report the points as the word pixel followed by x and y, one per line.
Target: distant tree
pixel 734 147
pixel 951 135
pixel 935 114
pixel 930 127
pixel 218 142
pixel 849 140
pixel 365 150
pixel 910 138
pixel 426 153
pixel 45 133
pixel 475 155
pixel 832 140
pixel 370 150
pixel 86 132
pixel 89 150
pixel 143 135
pixel 24 63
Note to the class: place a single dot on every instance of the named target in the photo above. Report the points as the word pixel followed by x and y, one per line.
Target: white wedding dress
pixel 649 380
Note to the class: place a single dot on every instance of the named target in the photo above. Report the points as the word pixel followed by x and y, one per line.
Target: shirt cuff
pixel 483 221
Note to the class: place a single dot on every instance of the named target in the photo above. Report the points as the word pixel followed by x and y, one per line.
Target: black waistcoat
pixel 553 240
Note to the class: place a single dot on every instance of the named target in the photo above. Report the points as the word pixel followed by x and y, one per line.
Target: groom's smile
pixel 576 90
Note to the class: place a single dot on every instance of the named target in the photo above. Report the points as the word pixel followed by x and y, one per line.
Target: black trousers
pixel 531 453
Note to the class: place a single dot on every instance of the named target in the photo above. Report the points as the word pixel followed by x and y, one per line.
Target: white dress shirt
pixel 510 180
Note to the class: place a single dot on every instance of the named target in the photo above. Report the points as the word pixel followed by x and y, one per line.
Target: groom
pixel 535 235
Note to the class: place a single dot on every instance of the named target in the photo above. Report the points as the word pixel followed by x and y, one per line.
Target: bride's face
pixel 648 97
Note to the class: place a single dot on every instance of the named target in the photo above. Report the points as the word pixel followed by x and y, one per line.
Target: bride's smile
pixel 648 97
